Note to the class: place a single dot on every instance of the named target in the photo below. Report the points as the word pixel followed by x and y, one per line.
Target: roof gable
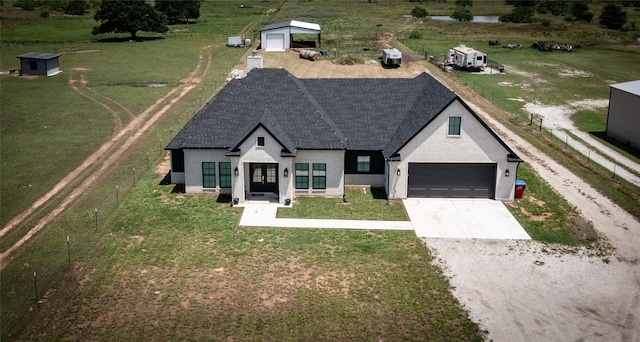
pixel 271 125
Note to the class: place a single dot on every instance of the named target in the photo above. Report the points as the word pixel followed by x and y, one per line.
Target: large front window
pixel 319 176
pixel 225 174
pixel 208 174
pixel 302 176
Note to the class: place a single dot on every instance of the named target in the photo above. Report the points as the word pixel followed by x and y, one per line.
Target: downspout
pixel 388 180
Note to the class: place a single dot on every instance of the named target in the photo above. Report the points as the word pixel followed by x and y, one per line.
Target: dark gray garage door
pixel 441 180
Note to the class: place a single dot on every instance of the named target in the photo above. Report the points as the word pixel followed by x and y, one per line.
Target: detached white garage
pixel 623 121
pixel 279 36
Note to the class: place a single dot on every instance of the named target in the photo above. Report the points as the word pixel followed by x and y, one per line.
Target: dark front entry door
pixel 264 177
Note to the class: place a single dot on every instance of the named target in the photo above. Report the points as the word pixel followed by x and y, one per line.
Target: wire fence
pixel 52 258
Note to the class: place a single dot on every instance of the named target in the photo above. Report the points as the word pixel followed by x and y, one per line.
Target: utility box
pixel 234 41
pixel 391 57
pixel 520 186
pixel 254 61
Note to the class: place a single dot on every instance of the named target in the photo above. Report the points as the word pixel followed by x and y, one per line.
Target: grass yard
pixel 145 263
pixel 362 204
pixel 48 128
pixel 180 268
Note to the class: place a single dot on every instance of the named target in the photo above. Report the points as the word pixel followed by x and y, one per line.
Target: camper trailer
pixel 391 57
pixel 466 58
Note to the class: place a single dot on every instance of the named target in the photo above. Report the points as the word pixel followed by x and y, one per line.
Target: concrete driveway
pixel 430 218
pixel 463 219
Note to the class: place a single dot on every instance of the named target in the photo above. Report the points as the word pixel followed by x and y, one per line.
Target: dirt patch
pixel 542 217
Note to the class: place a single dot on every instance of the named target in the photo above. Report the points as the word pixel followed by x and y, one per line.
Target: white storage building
pixel 623 121
pixel 279 36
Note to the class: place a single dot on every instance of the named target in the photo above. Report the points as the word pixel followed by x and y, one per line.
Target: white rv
pixel 391 57
pixel 466 58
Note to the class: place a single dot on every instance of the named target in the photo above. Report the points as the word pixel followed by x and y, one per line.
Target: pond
pixel 476 18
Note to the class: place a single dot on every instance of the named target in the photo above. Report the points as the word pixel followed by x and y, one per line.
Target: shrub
pixel 415 35
pixel 419 12
pixel 462 14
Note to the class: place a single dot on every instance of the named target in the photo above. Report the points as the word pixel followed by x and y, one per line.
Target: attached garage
pixel 452 180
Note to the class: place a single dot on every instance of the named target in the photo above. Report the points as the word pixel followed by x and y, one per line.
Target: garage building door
pixel 275 42
pixel 445 180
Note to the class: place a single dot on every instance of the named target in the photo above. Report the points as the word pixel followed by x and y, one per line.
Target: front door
pixel 264 177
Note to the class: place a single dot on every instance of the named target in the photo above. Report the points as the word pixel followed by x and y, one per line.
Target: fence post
pixel 117 197
pixel 35 284
pixel 540 129
pixel 134 177
pixel 96 214
pixel 68 250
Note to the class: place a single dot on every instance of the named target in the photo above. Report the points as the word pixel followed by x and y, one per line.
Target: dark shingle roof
pixel 355 114
pixel 242 104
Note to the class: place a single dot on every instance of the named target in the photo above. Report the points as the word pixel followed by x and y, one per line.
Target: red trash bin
pixel 520 186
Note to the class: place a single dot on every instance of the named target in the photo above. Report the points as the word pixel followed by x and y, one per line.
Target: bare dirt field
pixel 527 290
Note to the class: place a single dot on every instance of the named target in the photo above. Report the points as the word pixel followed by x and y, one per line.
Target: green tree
pixel 462 14
pixel 553 7
pixel 76 7
pixel 520 14
pixel 464 3
pixel 179 10
pixel 580 10
pixel 130 17
pixel 613 17
pixel 419 12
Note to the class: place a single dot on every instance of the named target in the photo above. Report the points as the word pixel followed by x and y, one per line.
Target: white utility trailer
pixel 466 58
pixel 391 57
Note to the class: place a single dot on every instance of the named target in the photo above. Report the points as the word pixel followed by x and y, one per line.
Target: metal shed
pixel 279 36
pixel 38 63
pixel 623 121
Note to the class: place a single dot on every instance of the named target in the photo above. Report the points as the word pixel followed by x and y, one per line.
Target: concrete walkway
pixel 264 215
pixel 430 218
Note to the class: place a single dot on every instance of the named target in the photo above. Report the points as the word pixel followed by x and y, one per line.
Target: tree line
pixel 122 16
pixel 613 16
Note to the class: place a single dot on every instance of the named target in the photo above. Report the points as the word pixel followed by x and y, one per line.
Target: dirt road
pixel 525 290
pixel 106 156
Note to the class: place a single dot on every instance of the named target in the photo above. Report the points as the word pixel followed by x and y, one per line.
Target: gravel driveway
pixel 527 291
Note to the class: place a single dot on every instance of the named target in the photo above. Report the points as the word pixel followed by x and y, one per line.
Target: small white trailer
pixel 466 58
pixel 391 57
